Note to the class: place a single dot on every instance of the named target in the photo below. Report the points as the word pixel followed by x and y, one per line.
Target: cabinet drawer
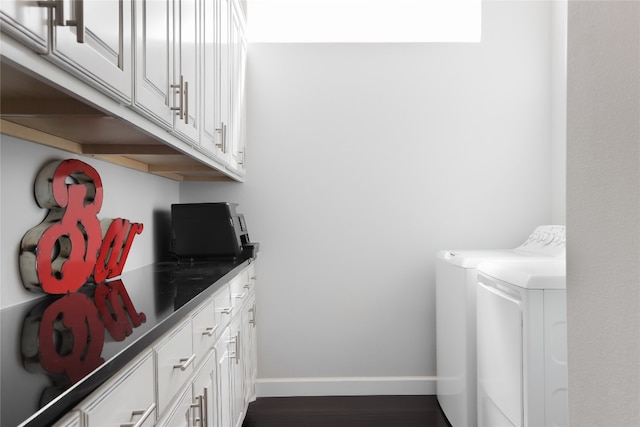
pixel 223 307
pixel 205 330
pixel 239 291
pixel 251 277
pixel 126 398
pixel 174 360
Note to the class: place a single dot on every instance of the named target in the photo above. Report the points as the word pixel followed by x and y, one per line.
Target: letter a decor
pixel 68 248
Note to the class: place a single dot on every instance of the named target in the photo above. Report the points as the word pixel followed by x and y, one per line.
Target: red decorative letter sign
pixel 59 255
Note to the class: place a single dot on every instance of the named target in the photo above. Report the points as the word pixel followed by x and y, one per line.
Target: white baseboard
pixel 345 386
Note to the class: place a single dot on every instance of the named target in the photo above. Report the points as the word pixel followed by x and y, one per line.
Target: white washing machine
pixel 522 344
pixel 456 284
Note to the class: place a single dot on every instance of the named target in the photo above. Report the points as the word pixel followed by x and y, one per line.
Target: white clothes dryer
pixel 456 284
pixel 522 344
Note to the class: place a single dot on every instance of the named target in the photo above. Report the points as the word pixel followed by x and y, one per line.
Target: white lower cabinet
pixel 174 363
pixel 180 413
pixel 204 392
pixel 237 369
pixel 200 373
pixel 127 399
pixel 224 380
pixel 196 404
pixel 249 343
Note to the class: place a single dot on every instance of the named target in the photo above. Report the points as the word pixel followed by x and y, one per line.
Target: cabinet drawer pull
pixel 226 310
pixel 210 330
pixel 239 296
pixel 145 415
pixel 247 286
pixel 185 362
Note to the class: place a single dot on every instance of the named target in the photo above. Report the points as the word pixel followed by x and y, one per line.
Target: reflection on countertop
pixel 58 349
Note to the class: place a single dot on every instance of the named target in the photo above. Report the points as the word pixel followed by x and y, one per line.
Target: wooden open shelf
pixel 35 111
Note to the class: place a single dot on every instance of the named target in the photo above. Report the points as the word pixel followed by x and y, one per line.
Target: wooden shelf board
pixel 149 157
pixel 36 111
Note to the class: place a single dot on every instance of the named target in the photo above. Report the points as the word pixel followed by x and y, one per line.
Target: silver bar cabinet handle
pixel 199 405
pixel 186 102
pixel 145 415
pixel 79 21
pixel 180 109
pixel 209 331
pixel 185 362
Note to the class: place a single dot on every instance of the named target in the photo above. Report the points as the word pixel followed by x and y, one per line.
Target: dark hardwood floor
pixel 346 411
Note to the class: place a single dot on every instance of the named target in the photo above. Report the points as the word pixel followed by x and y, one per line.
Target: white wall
pixel 558 111
pixel 603 213
pixel 128 194
pixel 363 161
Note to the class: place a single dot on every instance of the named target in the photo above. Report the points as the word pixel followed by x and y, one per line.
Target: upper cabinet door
pixel 223 112
pixel 237 84
pixel 154 60
pixel 27 22
pixel 211 136
pixel 185 72
pixel 96 44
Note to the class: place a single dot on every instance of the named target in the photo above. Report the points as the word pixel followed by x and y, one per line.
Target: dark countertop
pixel 58 349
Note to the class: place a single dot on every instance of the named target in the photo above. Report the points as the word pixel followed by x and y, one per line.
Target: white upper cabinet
pixel 95 44
pixel 212 137
pixel 224 58
pixel 90 39
pixel 186 37
pixel 28 22
pixel 238 55
pixel 154 60
pixel 170 65
pixel 167 57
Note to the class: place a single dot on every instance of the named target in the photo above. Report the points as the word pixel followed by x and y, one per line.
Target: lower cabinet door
pixel 224 383
pixel 249 338
pixel 237 368
pixel 126 399
pixel 181 414
pixel 204 393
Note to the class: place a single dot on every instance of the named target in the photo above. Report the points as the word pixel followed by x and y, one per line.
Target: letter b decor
pixel 60 254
